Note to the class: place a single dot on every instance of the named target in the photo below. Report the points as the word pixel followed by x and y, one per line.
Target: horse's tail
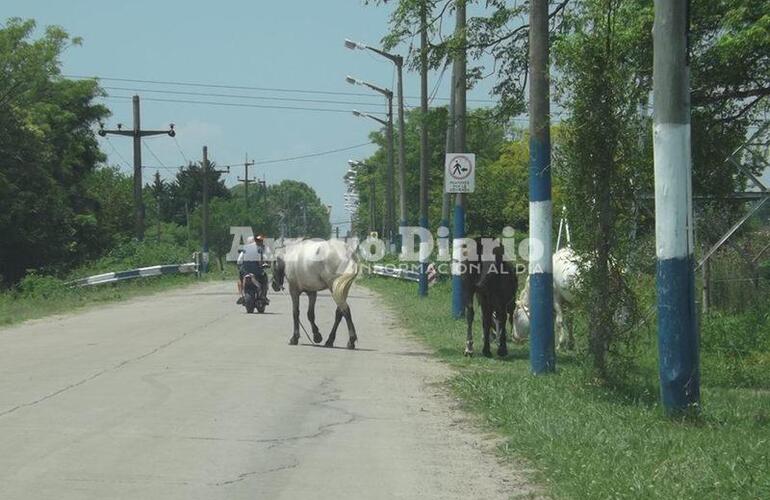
pixel 342 283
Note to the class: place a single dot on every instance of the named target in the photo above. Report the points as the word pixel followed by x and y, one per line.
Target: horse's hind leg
pixel 294 340
pixel 317 338
pixel 502 346
pixel 351 329
pixel 333 333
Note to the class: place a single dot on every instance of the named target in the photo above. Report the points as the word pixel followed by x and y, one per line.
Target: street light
pixel 389 214
pixel 399 62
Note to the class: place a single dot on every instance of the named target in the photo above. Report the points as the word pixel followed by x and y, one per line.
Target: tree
pixel 185 193
pixel 47 150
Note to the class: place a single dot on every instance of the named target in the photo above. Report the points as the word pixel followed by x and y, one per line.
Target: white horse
pixel 310 266
pixel 565 274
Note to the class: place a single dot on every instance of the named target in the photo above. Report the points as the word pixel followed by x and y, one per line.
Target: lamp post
pixel 389 198
pixel 399 62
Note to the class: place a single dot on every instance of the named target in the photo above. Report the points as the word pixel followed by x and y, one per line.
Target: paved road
pixel 183 395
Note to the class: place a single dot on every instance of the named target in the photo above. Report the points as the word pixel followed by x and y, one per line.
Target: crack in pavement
pixel 110 369
pixel 247 475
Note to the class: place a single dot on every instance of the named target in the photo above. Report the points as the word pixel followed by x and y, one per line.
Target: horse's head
pixel 279 273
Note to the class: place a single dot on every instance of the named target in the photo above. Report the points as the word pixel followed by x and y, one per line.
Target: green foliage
pixel 736 348
pixel 40 286
pixel 133 254
pixel 485 137
pixel 47 150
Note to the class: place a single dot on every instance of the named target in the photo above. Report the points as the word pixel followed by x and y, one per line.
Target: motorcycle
pixel 255 293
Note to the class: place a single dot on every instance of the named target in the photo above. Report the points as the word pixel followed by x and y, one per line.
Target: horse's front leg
pixel 333 333
pixel 351 329
pixel 294 340
pixel 317 338
pixel 469 313
pixel 486 325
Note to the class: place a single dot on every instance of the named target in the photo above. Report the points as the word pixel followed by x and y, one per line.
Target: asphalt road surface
pixel 184 395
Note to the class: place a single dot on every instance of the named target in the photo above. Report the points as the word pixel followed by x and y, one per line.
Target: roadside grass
pixel 589 440
pixel 37 296
pixel 16 306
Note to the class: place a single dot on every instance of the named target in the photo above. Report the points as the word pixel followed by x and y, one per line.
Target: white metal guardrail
pixel 142 272
pixel 404 274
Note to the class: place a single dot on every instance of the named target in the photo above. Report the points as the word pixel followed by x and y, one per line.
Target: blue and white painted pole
pixel 677 329
pixel 542 357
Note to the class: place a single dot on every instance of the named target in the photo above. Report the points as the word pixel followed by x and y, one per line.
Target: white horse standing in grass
pixel 565 274
pixel 310 266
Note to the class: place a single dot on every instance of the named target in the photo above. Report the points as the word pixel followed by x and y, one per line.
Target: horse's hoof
pixel 294 341
pixel 487 352
pixel 329 343
pixel 502 351
pixel 468 354
pixel 317 338
pixel 351 345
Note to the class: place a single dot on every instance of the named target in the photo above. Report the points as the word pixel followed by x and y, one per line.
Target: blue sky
pixel 280 44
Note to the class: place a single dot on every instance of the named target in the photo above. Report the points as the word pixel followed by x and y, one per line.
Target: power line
pixel 312 155
pixel 153 153
pixel 184 157
pixel 244 87
pixel 240 96
pixel 125 163
pixel 241 105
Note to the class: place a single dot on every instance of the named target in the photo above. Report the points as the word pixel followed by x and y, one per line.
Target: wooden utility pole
pixel 137 133
pixel 246 181
pixel 542 355
pixel 424 172
pixel 205 173
pixel 679 366
pixel 158 193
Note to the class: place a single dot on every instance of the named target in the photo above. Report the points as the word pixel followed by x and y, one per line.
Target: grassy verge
pixel 37 296
pixel 591 441
pixel 16 307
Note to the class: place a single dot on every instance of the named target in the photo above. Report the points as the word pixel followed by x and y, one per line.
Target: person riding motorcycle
pixel 252 261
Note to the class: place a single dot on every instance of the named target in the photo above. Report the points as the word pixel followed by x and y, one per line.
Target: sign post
pixel 459 177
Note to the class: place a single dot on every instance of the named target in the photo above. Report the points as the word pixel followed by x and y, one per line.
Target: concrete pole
pixel 389 188
pixel 541 352
pixel 157 198
pixel 424 172
pixel 677 329
pixel 402 222
pixel 205 173
pixel 138 201
pixel 459 91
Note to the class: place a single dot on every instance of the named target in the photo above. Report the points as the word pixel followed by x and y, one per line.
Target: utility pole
pixel 158 188
pixel 459 108
pixel 424 179
pixel 246 181
pixel 677 329
pixel 137 133
pixel 542 357
pixel 205 173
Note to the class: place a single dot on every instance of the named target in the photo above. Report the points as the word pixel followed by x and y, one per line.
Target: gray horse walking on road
pixel 310 266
